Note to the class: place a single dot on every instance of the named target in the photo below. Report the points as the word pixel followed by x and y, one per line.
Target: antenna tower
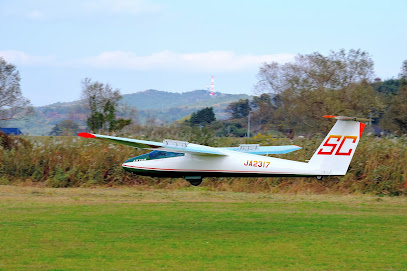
pixel 212 86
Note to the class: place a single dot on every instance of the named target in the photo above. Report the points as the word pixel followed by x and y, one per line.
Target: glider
pixel 172 158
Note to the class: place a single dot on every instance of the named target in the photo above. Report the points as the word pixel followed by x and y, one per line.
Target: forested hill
pixel 155 99
pixel 162 106
pixel 167 107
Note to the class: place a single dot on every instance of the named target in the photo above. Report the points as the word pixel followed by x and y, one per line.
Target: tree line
pixel 290 99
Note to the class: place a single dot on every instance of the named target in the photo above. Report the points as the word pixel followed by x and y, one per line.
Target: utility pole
pixel 248 125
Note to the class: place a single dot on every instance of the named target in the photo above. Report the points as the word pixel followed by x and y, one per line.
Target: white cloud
pixel 35 15
pixel 167 60
pixel 22 58
pixel 212 61
pixel 120 6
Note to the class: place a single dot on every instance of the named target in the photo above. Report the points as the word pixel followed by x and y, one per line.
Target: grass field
pixel 195 229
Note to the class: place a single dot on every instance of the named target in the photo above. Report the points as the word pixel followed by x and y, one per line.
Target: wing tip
pixel 86 135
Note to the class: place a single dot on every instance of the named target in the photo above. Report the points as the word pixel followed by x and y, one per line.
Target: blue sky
pixel 177 45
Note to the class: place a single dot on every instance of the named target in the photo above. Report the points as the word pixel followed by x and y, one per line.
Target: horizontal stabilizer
pixel 265 150
pixel 348 118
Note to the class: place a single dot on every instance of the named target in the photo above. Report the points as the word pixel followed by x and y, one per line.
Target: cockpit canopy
pixel 155 155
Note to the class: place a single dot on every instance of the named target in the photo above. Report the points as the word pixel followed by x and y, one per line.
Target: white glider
pixel 172 158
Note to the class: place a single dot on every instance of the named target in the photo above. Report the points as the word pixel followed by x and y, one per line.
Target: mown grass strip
pixel 107 229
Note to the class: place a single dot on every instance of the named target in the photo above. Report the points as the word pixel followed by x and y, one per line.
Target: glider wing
pixel 186 147
pixel 166 145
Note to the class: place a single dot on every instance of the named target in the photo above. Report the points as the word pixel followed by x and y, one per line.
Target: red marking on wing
pixel 86 135
pixel 362 127
pixel 329 116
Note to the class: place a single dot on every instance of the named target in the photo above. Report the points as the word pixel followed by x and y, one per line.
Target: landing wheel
pixel 320 178
pixel 195 181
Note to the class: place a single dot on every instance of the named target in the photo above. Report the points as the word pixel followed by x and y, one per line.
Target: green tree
pixel 395 117
pixel 239 109
pixel 202 117
pixel 403 71
pixel 387 87
pixel 102 101
pixel 13 105
pixel 65 128
pixel 264 107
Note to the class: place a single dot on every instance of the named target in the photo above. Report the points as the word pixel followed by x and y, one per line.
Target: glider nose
pixel 86 135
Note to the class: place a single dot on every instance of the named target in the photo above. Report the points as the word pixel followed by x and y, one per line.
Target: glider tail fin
pixel 336 151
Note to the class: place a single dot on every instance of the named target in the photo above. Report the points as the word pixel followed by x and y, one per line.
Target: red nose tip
pixel 86 135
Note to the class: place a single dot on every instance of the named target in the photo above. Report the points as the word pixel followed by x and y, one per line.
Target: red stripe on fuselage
pixel 202 170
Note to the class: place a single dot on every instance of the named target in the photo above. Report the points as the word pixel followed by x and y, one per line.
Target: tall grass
pixel 378 167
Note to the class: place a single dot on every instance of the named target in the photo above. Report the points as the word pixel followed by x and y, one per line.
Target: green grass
pixel 196 229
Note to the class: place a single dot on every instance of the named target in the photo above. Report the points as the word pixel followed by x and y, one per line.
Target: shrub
pixel 378 167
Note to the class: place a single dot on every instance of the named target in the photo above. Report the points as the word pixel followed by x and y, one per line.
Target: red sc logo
pixel 337 140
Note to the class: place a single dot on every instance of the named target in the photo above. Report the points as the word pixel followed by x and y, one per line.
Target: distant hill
pixel 169 106
pixel 164 107
pixel 155 99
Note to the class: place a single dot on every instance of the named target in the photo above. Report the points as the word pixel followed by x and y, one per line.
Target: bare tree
pixel 12 103
pixel 314 85
pixel 102 101
pixel 314 71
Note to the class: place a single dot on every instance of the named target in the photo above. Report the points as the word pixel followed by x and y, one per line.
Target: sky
pixel 178 45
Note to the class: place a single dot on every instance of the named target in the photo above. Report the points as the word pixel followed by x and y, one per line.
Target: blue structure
pixel 11 131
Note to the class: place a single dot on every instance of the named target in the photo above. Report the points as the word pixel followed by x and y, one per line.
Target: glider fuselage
pixel 235 164
pixel 172 158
